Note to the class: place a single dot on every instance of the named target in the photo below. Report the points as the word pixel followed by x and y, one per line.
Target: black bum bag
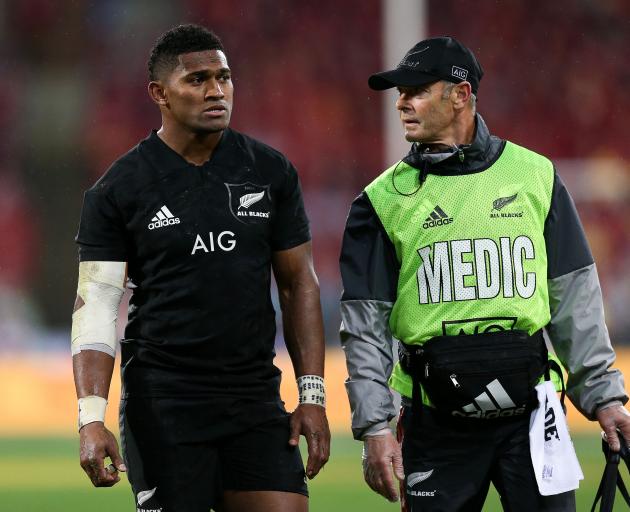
pixel 478 376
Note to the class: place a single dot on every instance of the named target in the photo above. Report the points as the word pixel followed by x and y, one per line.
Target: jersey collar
pixel 166 160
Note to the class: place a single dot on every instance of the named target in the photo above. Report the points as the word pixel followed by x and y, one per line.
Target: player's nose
pixel 214 90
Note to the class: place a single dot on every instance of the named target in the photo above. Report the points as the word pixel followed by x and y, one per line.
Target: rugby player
pixel 193 219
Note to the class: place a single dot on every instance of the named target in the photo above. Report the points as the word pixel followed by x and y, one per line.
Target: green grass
pixel 43 475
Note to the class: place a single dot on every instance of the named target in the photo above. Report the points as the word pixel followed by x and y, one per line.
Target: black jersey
pixel 198 241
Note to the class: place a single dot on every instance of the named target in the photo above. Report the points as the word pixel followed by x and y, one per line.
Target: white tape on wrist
pixel 311 390
pixel 91 409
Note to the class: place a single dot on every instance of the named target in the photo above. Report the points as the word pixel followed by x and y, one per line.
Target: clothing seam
pixel 585 267
pixel 382 228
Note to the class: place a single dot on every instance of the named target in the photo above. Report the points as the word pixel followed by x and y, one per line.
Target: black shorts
pixel 449 466
pixel 181 454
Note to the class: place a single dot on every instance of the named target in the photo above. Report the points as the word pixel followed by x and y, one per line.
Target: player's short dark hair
pixel 175 42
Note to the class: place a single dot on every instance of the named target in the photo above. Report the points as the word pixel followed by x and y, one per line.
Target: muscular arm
pixel 92 376
pixel 92 373
pixel 298 290
pixel 94 346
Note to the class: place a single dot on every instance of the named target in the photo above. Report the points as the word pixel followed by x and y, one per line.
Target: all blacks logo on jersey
pixel 249 203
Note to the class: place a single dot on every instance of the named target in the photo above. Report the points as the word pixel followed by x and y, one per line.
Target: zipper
pixel 453 378
pixel 465 362
pixel 463 368
pixel 426 370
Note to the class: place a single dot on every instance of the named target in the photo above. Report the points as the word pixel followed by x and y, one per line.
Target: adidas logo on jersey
pixel 162 218
pixel 437 218
pixel 494 402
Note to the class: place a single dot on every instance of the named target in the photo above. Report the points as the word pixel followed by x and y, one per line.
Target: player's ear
pixel 461 94
pixel 157 93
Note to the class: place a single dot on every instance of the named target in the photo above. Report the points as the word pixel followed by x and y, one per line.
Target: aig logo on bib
pixel 249 203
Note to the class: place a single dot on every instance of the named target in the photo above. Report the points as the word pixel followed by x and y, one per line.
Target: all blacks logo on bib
pixel 249 203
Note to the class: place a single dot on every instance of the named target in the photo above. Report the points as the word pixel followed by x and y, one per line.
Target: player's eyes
pixel 200 79
pixel 411 91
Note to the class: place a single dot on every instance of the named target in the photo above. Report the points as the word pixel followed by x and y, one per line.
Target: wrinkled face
pixel 426 115
pixel 199 91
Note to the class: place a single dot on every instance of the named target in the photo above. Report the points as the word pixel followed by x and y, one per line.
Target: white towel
pixel 555 463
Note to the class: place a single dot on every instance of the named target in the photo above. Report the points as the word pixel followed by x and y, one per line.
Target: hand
pixel 381 454
pixel 611 419
pixel 96 443
pixel 310 421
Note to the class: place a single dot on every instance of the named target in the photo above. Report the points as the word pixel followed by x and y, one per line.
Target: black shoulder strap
pixel 611 479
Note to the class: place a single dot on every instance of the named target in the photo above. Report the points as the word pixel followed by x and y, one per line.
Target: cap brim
pixel 399 77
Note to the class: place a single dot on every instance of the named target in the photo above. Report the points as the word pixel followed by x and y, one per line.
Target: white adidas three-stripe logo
pixel 163 213
pixel 494 402
pixel 485 401
pixel 163 217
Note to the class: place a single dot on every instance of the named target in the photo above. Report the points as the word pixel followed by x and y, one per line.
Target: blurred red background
pixel 73 80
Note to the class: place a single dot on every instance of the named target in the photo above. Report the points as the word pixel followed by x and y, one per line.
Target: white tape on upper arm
pixel 101 286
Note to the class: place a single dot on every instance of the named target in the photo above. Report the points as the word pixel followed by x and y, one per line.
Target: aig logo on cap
pixel 460 73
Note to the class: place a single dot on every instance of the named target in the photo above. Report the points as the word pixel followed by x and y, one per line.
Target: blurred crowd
pixel 73 76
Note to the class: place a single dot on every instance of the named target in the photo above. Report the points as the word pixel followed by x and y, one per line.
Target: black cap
pixel 438 58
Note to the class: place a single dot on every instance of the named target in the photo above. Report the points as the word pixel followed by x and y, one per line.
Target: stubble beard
pixel 206 129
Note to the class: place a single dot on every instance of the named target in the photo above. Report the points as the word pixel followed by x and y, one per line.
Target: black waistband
pixel 411 355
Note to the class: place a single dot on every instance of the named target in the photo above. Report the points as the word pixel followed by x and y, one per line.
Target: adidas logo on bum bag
pixel 494 402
